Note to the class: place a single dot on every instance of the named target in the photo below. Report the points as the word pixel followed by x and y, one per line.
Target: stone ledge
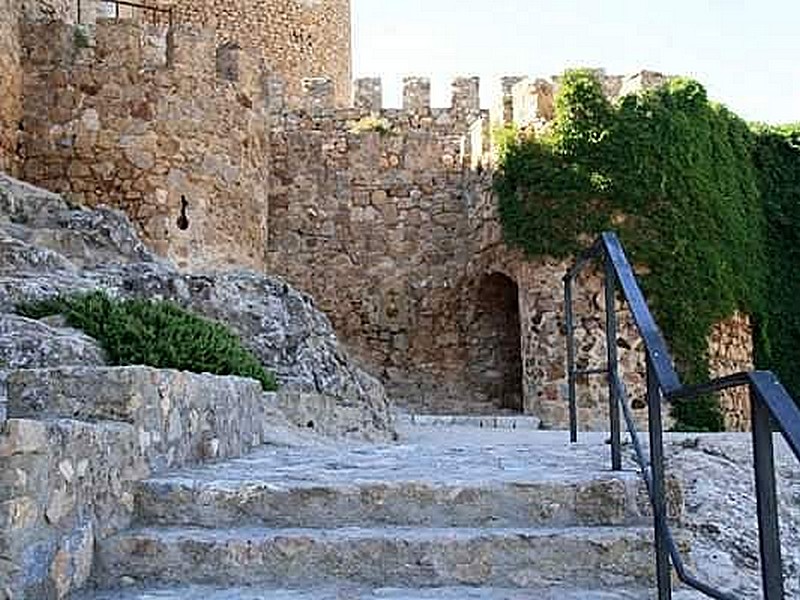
pixel 180 418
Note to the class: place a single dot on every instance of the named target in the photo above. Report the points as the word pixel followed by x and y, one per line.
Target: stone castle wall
pixel 298 39
pixel 730 349
pixel 368 214
pixel 10 84
pixel 139 118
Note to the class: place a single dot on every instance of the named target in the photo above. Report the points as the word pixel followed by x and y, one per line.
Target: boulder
pixel 29 344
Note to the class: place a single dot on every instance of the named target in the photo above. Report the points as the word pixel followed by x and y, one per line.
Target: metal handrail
pixel 155 10
pixel 769 401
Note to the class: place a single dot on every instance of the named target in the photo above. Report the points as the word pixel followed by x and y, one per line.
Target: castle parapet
pixel 503 109
pixel 640 81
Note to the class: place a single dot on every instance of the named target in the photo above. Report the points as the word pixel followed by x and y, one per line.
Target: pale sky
pixel 746 52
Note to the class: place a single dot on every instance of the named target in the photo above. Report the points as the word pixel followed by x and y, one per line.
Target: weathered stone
pixel 23 437
pixel 354 592
pixel 501 557
pixel 716 475
pixel 28 344
pixel 231 409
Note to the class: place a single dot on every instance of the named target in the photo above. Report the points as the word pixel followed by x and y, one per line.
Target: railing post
pixel 573 401
pixel 766 499
pixel 659 497
pixel 611 358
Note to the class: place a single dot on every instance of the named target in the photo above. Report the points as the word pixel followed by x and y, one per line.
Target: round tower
pixel 298 38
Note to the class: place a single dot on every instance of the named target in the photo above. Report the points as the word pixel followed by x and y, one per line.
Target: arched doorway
pixel 496 357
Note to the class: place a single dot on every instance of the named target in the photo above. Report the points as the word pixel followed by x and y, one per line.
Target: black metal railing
pixel 770 403
pixel 157 14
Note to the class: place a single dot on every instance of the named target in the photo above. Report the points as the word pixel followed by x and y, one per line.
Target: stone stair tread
pixel 433 455
pixel 480 421
pixel 602 500
pixel 487 478
pixel 396 556
pixel 356 593
pixel 168 533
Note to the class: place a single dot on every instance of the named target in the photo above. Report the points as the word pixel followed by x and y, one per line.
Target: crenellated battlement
pixel 318 96
pixel 184 53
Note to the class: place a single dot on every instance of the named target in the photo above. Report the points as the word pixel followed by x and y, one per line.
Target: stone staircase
pixel 453 511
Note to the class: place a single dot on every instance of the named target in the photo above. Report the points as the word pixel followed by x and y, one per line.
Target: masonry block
pixel 318 94
pixel 192 50
pixel 466 94
pixel 118 42
pixel 368 94
pixel 416 94
pixel 533 102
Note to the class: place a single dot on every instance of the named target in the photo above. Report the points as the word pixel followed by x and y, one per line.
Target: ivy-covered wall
pixel 706 202
pixel 777 159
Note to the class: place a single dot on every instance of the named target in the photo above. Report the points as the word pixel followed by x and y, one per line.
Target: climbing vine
pixel 695 193
pixel 777 158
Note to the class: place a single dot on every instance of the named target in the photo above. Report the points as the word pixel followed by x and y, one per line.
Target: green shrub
pixel 157 334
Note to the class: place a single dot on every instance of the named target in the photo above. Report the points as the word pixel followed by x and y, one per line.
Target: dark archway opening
pixel 496 362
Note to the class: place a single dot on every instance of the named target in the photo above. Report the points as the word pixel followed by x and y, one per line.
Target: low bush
pixel 157 334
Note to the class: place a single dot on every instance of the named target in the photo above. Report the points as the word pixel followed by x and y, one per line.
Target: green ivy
pixel 674 174
pixel 777 158
pixel 157 334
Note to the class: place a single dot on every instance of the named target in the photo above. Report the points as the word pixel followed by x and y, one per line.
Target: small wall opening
pixel 495 345
pixel 183 219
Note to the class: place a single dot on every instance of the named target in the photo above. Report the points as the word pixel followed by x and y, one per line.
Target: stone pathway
pixel 452 511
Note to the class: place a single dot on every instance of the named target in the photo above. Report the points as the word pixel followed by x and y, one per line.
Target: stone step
pixel 595 557
pixel 584 501
pixel 480 421
pixel 343 592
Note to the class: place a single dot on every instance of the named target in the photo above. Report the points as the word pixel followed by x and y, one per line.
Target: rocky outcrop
pixel 48 247
pixel 716 475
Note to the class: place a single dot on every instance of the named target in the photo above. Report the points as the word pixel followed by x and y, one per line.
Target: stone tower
pixel 298 38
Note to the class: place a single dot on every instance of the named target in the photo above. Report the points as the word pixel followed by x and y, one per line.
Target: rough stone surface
pixel 44 224
pixel 174 412
pixel 62 483
pixel 67 478
pixel 10 83
pixel 117 123
pixel 730 350
pixel 386 556
pixel 349 592
pixel 29 344
pixel 448 505
pixel 437 476
pixel 716 475
pixel 297 38
pixel 282 326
